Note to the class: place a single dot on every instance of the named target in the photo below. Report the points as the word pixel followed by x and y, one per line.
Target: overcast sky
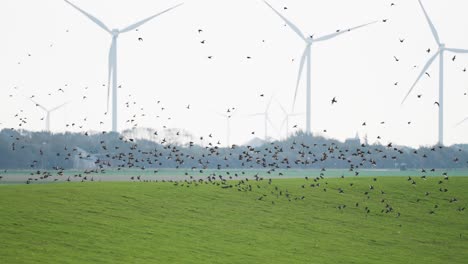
pixel 47 45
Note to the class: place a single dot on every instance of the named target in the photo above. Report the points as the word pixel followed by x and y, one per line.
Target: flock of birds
pixel 269 157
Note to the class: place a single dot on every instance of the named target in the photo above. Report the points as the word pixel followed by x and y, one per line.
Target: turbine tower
pixel 440 53
pixel 266 118
pixel 306 57
pixel 112 74
pixel 228 128
pixel 286 119
pixel 48 112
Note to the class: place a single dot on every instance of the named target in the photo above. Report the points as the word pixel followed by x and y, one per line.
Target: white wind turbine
pixel 286 119
pixel 112 74
pixel 48 112
pixel 267 119
pixel 306 56
pixel 228 127
pixel 439 53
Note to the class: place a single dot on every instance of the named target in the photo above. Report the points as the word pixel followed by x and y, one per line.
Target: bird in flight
pixel 334 101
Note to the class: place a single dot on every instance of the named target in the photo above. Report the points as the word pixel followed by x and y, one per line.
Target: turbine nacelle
pixel 115 32
pixel 441 46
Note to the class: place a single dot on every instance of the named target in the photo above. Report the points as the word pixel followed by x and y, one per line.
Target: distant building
pixel 356 141
pixel 83 160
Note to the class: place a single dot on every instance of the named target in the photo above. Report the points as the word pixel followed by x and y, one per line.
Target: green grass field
pixel 281 222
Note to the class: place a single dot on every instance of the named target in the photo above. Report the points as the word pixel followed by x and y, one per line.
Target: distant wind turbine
pixel 306 56
pixel 48 112
pixel 112 74
pixel 439 53
pixel 266 118
pixel 286 119
pixel 228 127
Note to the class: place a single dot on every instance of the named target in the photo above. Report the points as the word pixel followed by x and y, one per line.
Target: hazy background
pixel 70 52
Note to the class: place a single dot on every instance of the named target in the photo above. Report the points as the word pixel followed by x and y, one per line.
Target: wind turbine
pixel 286 119
pixel 440 53
pixel 266 118
pixel 48 112
pixel 112 64
pixel 228 127
pixel 306 56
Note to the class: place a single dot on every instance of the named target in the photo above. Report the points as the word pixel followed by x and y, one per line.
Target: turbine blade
pixel 289 23
pixel 94 19
pixel 55 108
pixel 140 23
pixel 457 50
pixel 301 66
pixel 269 103
pixel 282 108
pixel 461 122
pixel 428 64
pixel 336 34
pixel 37 104
pixel 431 25
pixel 282 123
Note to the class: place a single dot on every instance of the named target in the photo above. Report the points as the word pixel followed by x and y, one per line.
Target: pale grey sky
pixel 171 65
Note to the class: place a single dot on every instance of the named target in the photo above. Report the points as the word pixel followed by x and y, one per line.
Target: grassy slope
pixel 163 223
